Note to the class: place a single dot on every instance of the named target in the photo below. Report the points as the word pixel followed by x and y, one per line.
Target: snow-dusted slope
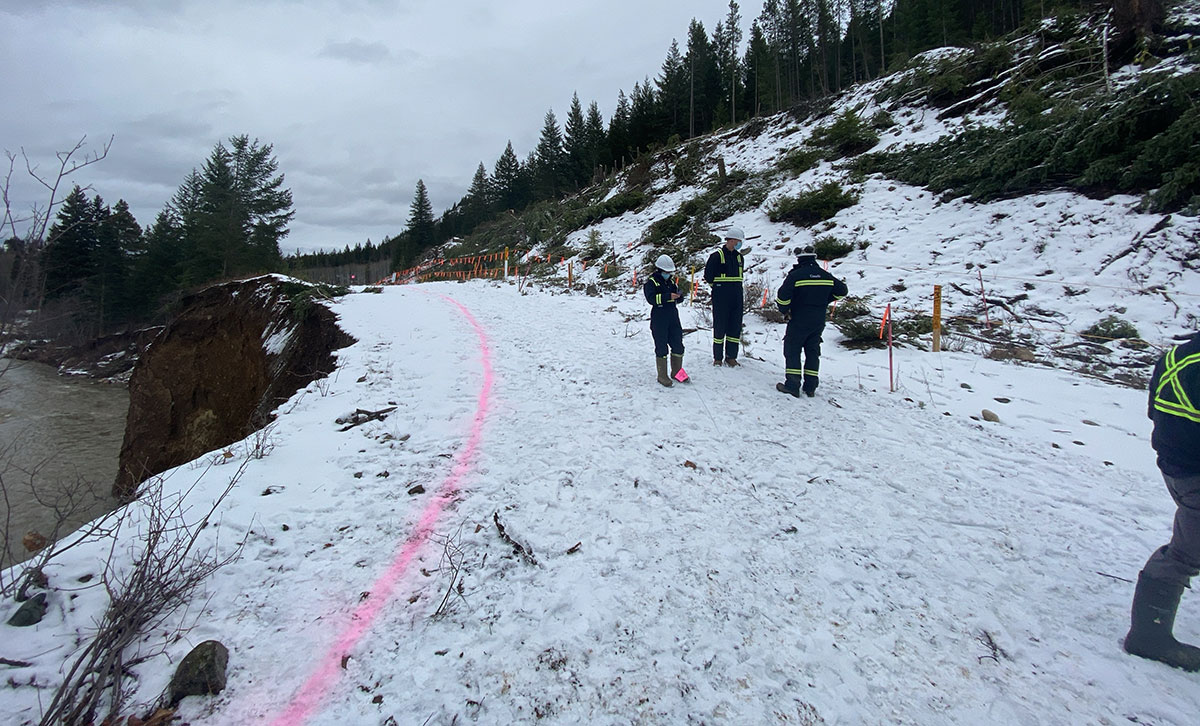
pixel 712 553
pixel 1058 262
pixel 1051 265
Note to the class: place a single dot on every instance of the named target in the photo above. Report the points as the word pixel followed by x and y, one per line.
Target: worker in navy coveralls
pixel 663 296
pixel 1174 395
pixel 803 298
pixel 724 271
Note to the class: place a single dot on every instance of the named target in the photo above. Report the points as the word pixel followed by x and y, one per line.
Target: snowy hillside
pixel 1022 277
pixel 711 553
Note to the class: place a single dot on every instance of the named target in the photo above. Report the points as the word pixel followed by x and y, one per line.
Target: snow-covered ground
pixel 712 553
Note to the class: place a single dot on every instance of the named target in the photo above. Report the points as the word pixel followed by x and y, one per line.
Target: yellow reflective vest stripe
pixel 1169 387
pixel 727 278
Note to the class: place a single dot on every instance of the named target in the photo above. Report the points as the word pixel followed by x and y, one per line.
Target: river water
pixel 67 432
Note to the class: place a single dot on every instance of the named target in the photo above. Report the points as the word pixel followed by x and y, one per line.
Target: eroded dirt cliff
pixel 217 371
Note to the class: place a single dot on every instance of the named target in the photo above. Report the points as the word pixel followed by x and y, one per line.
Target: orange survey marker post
pixel 987 316
pixel 937 318
pixel 887 321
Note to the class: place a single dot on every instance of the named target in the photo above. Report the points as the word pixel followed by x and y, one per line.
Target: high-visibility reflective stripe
pixel 793 371
pixel 727 278
pixel 806 283
pixel 781 301
pixel 838 297
pixel 807 372
pixel 732 340
pixel 658 298
pixel 1173 370
pixel 1171 376
pixel 1182 406
pixel 1175 410
pixel 718 340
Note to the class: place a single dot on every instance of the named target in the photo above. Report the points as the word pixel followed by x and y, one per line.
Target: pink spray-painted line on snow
pixel 314 690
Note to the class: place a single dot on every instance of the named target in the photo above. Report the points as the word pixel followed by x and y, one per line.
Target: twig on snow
pixel 361 416
pixel 452 558
pixel 519 548
pixel 14 663
pixel 996 650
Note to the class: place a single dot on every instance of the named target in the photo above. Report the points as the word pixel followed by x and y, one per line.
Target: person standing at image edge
pixel 803 299
pixel 724 271
pixel 1174 394
pixel 663 295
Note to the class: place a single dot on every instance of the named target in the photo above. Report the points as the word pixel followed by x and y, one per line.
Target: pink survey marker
pixel 309 696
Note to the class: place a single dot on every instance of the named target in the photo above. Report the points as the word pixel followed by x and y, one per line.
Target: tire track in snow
pixel 310 695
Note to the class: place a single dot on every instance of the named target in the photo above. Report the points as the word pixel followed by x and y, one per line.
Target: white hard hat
pixel 735 233
pixel 664 263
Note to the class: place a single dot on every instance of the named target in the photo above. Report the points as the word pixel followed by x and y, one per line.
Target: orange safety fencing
pixel 475 266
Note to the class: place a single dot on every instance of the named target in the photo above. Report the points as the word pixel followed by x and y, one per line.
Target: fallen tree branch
pixel 14 663
pixel 361 416
pixel 518 548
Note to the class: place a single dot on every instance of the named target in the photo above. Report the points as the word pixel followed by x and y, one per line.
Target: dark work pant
pixel 802 340
pixel 665 327
pixel 727 320
pixel 1178 561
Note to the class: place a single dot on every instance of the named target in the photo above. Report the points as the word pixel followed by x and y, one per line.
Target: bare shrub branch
pixel 165 572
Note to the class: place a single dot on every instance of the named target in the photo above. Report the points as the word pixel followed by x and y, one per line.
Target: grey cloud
pixel 171 126
pixel 357 51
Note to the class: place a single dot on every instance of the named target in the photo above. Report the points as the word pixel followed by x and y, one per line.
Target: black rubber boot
pixel 782 388
pixel 1152 620
pixel 663 378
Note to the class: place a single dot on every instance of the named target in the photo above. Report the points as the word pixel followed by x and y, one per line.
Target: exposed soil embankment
pixel 215 373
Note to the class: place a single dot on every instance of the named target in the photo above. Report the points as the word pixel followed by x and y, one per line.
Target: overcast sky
pixel 360 98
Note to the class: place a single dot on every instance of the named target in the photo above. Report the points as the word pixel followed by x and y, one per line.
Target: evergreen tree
pixel 477 204
pixel 645 117
pixel 575 146
pixel 727 40
pixel 68 258
pixel 238 213
pixel 420 220
pixel 598 154
pixel 269 204
pixel 127 231
pixel 549 163
pixel 506 181
pixel 526 178
pixel 704 80
pixel 673 92
pixel 158 270
pixel 797 49
pixel 758 79
pixel 618 131
pixel 404 251
pixel 119 239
